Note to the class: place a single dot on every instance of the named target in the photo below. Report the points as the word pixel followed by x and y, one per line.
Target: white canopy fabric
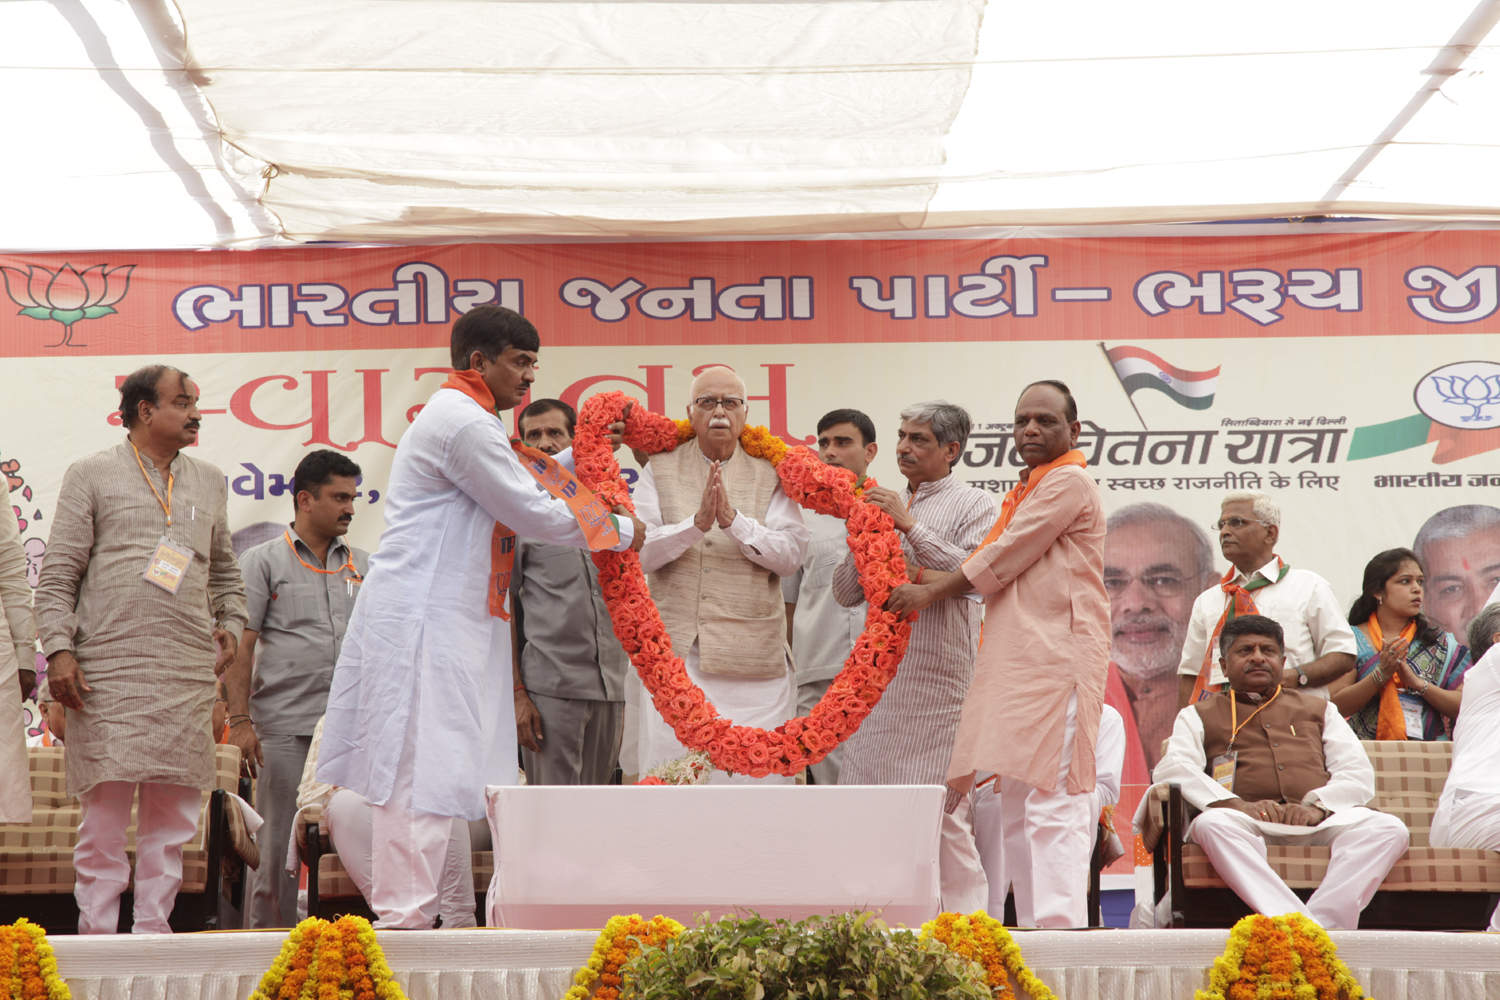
pixel 219 123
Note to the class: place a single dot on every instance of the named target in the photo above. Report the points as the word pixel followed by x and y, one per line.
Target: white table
pixel 573 856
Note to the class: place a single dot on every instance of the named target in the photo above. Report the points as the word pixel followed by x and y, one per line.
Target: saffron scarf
pixel 1390 724
pixel 597 523
pixel 1240 603
pixel 1022 490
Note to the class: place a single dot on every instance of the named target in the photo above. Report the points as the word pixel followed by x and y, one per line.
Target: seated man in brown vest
pixel 720 535
pixel 1268 764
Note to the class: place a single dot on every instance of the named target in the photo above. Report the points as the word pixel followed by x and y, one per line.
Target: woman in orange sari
pixel 1408 679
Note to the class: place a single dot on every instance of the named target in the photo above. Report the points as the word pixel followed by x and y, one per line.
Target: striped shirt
pixel 908 738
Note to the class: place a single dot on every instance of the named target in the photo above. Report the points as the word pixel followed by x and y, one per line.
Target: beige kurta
pixel 148 655
pixel 17 653
pixel 1046 636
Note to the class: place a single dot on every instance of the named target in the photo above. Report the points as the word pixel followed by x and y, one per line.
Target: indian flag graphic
pixel 1137 368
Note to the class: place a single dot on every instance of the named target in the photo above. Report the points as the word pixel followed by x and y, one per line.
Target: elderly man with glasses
pixel 1320 645
pixel 720 535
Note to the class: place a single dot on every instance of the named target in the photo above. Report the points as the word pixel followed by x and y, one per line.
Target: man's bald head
pixel 721 378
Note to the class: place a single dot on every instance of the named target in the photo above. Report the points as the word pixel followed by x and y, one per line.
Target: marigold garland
pixel 330 961
pixel 982 939
pixel 622 938
pixel 27 962
pixel 1287 956
pixel 871 665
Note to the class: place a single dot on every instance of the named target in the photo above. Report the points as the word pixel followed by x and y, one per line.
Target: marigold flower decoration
pixel 330 961
pixel 1287 956
pixel 872 663
pixel 622 939
pixel 984 940
pixel 28 965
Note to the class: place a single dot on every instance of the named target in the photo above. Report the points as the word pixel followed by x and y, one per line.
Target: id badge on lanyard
pixel 169 564
pixel 1223 769
pixel 1411 707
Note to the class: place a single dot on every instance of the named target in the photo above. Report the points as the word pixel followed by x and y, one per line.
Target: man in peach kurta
pixel 1032 713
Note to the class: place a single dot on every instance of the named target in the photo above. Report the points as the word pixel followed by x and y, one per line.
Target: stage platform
pixel 486 964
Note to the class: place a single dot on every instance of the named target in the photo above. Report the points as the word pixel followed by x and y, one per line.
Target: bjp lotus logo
pixel 67 295
pixel 1457 395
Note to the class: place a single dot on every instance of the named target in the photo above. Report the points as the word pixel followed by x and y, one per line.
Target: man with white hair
pixel 1320 644
pixel 1156 563
pixel 720 535
pixel 1468 812
pixel 1460 549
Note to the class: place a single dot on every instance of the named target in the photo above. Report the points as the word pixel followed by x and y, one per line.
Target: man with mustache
pixel 1460 546
pixel 300 588
pixel 1155 563
pixel 1269 764
pixel 418 721
pixel 908 738
pixel 720 535
pixel 820 630
pixel 570 669
pixel 139 604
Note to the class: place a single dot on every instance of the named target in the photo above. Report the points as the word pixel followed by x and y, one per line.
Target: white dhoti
pixel 350 820
pixel 1470 820
pixel 1038 843
pixel 1365 844
pixel 166 820
pixel 746 701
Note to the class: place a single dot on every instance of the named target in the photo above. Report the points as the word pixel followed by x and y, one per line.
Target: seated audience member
pixel 348 818
pixel 1268 764
pixel 1319 644
pixel 1410 672
pixel 1468 813
pixel 1007 863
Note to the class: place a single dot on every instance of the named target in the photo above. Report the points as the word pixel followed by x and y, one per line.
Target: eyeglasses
pixel 1160 584
pixel 1234 522
pixel 709 404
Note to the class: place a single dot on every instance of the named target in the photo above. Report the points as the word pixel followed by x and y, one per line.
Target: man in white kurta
pixel 1290 772
pixel 1468 812
pixel 419 720
pixel 17 653
pixel 739 556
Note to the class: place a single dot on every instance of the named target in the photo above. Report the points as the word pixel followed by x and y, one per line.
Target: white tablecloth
pixel 539 965
pixel 575 856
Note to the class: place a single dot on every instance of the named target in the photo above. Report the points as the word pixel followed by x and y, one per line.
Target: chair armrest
pixel 1155 816
pixel 308 819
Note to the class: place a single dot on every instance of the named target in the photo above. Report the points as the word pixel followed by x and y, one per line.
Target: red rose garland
pixel 828 490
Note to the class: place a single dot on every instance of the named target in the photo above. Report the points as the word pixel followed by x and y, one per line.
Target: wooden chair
pixel 36 860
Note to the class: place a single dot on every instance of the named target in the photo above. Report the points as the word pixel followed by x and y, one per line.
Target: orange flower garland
pixel 1287 956
pixel 329 961
pixel 622 939
pixel 984 940
pixel 825 489
pixel 27 963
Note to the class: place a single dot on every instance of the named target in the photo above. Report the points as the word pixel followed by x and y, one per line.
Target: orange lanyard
pixel 1234 704
pixel 318 569
pixel 166 505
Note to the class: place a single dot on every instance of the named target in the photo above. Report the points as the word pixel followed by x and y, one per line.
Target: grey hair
pixel 949 423
pixel 1159 513
pixel 1262 506
pixel 1482 629
pixel 710 372
pixel 1454 522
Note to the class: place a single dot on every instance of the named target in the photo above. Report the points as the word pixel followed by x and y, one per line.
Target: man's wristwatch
pixel 1301 677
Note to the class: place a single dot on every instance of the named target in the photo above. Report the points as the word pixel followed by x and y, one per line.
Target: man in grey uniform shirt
pixel 301 586
pixel 820 630
pixel 569 667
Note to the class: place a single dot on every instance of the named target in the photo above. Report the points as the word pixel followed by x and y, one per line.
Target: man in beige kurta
pixel 17 653
pixel 1032 713
pixel 720 535
pixel 133 662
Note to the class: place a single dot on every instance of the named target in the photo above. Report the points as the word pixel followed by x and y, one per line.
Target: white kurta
pixel 779 545
pixel 421 635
